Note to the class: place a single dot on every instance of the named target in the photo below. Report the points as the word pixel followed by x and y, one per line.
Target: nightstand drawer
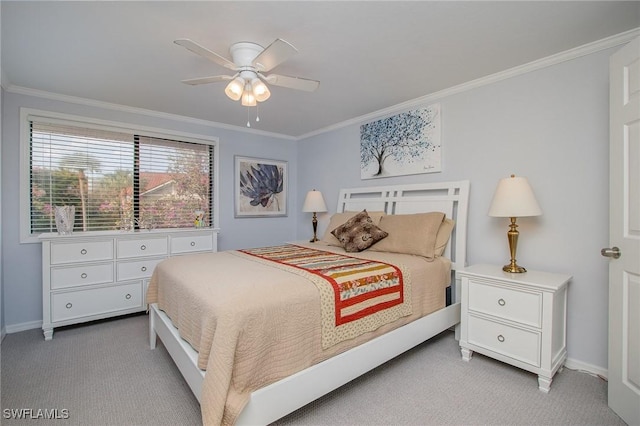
pixel 516 343
pixel 514 305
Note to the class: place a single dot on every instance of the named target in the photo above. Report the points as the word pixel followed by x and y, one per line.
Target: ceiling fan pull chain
pixel 257 114
pixel 248 123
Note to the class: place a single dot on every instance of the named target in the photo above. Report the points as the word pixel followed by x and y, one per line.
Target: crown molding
pixel 538 64
pixel 135 110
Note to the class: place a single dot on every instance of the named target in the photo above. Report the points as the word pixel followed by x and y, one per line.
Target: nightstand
pixel 519 319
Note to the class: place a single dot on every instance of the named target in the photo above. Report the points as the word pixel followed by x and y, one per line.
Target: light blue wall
pixel 22 267
pixel 552 126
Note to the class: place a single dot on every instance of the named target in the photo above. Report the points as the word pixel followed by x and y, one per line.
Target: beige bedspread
pixel 253 324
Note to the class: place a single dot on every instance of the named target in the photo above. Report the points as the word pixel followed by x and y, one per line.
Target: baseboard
pixel 3 333
pixel 594 370
pixel 16 328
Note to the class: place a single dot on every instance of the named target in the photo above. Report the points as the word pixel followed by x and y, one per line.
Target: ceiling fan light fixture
pixel 248 98
pixel 235 88
pixel 250 60
pixel 260 90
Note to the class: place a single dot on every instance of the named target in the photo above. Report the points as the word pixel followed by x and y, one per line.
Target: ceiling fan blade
pixel 204 52
pixel 292 82
pixel 206 80
pixel 275 54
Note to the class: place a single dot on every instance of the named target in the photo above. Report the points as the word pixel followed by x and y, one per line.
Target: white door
pixel 624 234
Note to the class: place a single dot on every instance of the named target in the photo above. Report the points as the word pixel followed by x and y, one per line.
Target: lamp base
pixel 512 235
pixel 513 268
pixel 314 222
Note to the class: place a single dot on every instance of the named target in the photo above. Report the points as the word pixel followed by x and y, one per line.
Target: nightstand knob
pixel 501 302
pixel 143 269
pixel 500 338
pixel 143 247
pixel 83 251
pixel 128 296
pixel 83 275
pixel 193 243
pixel 68 305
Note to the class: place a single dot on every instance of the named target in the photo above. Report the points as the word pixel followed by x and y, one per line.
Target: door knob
pixel 611 252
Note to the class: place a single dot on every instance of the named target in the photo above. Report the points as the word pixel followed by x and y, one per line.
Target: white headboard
pixel 451 198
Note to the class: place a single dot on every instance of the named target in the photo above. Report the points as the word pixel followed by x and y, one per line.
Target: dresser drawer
pixel 515 305
pixel 191 243
pixel 142 247
pixel 73 276
pixel 516 343
pixel 139 269
pixel 82 303
pixel 87 251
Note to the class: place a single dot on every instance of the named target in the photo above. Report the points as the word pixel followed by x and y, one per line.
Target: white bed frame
pixel 287 395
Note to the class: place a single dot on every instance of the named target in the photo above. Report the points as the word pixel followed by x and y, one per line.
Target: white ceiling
pixel 368 55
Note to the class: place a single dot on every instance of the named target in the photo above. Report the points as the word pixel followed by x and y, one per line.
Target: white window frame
pixel 29 114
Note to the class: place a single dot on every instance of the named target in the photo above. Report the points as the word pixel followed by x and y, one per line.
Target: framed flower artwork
pixel 260 187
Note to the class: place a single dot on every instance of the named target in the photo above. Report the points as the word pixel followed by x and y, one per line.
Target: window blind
pixel 174 181
pixel 116 180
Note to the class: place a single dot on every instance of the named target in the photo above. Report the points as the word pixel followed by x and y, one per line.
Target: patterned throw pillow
pixel 358 233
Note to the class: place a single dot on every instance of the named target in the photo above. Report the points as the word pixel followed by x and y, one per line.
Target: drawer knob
pixel 193 243
pixel 69 305
pixel 128 296
pixel 143 247
pixel 500 338
pixel 83 251
pixel 501 302
pixel 143 269
pixel 83 275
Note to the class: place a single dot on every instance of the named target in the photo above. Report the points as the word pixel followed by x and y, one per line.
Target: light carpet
pixel 105 374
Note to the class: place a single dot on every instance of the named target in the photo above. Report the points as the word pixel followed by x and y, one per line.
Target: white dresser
pixel 519 318
pixel 93 275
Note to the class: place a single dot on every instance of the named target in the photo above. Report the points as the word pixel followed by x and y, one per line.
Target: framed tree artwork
pixel 260 187
pixel 404 144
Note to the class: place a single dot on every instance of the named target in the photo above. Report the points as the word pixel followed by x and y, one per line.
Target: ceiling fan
pixel 250 61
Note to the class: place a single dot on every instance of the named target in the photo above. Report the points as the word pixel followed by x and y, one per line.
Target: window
pixel 117 179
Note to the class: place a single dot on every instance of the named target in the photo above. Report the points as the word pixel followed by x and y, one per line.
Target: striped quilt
pixel 356 295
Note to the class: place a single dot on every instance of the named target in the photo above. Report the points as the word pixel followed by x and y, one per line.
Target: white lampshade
pixel 260 90
pixel 248 99
pixel 235 88
pixel 514 198
pixel 314 202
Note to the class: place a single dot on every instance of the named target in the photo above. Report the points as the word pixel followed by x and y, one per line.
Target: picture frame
pixel 261 187
pixel 407 143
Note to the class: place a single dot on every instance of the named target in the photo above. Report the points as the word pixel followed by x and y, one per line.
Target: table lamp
pixel 314 202
pixel 514 198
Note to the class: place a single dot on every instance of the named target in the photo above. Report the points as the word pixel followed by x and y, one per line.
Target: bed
pixel 242 370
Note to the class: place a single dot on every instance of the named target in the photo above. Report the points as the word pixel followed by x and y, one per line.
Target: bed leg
pixel 152 329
